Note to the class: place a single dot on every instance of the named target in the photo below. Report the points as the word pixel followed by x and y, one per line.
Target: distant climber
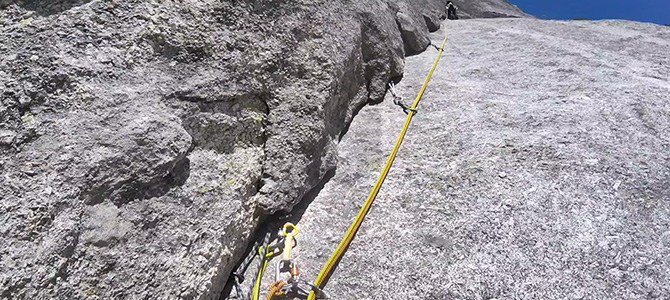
pixel 451 11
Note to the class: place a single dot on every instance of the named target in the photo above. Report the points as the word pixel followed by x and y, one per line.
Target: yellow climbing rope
pixel 344 244
pixel 265 258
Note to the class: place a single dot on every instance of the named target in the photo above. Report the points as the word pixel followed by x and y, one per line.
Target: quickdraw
pixel 436 47
pixel 397 100
pixel 287 280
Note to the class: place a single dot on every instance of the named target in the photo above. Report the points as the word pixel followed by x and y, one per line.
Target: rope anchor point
pixel 397 100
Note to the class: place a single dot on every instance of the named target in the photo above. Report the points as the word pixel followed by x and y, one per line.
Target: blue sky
pixel 655 11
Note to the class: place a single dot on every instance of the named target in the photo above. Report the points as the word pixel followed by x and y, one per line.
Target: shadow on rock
pixel 45 7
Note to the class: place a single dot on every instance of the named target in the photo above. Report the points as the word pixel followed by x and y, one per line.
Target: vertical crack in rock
pixel 378 58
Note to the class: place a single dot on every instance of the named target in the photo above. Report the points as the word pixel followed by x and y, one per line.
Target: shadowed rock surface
pixel 536 168
pixel 142 141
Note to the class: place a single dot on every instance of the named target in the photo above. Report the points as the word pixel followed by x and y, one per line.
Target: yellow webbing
pixel 344 244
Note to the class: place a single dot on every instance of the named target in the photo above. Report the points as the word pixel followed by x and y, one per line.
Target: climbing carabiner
pixel 397 100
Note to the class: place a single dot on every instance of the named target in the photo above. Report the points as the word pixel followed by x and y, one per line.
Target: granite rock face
pixel 142 141
pixel 468 9
pixel 536 168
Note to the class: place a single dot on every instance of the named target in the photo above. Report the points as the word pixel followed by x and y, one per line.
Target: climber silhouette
pixel 451 11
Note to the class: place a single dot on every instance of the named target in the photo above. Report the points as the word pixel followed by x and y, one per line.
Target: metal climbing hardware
pixel 266 251
pixel 397 100
pixel 436 47
pixel 289 285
